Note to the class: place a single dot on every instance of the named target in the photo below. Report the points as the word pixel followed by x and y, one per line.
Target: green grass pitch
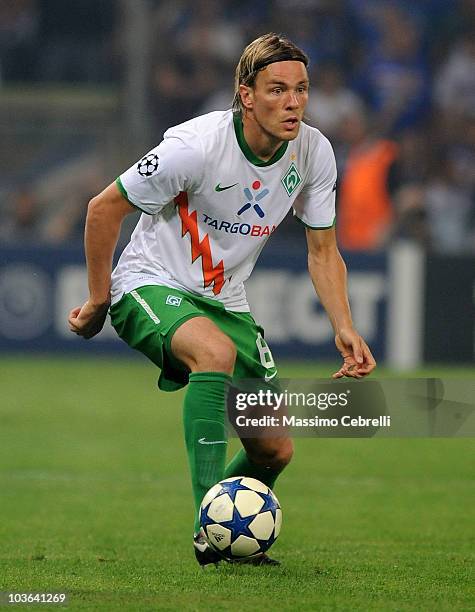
pixel 95 501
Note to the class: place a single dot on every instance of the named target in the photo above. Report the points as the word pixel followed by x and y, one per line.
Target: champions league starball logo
pixel 148 165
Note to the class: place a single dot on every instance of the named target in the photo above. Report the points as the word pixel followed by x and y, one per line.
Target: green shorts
pixel 147 318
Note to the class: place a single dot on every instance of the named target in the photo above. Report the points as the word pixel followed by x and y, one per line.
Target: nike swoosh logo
pixel 205 441
pixel 219 188
pixel 267 378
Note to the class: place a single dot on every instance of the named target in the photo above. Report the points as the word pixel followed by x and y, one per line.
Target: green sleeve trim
pixel 313 227
pixel 123 191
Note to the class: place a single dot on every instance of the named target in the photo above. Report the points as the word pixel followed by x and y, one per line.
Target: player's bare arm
pixel 104 218
pixel 328 273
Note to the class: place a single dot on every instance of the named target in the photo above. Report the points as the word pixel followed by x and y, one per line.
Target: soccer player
pixel 211 193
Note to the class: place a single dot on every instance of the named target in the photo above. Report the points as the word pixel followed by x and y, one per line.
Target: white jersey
pixel 210 206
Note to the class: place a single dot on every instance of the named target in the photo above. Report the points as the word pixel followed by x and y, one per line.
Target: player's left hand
pixel 357 358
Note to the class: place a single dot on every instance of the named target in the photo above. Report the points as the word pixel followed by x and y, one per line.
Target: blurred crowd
pixel 393 87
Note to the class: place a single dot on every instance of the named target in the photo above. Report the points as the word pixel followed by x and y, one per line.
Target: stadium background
pixel 89 87
pixel 86 444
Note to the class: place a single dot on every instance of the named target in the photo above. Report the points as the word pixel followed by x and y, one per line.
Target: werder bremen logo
pixel 291 179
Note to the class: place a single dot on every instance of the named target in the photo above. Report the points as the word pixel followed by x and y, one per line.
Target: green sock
pixel 241 465
pixel 205 432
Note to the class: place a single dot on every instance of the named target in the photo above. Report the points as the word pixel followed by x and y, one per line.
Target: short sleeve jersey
pixel 209 206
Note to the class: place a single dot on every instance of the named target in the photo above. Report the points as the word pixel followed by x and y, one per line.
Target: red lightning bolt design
pixel 212 275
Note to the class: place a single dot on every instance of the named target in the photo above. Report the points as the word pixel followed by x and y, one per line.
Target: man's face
pixel 278 98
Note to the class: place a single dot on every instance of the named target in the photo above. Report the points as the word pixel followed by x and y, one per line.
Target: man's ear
pixel 246 94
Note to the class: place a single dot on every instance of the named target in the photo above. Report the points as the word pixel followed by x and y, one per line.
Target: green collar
pixel 246 149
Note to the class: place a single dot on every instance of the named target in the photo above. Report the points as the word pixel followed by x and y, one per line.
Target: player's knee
pixel 283 454
pixel 276 456
pixel 219 356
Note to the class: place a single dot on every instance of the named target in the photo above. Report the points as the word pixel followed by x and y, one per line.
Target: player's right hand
pixel 87 320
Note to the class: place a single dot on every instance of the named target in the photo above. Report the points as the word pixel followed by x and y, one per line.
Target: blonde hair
pixel 263 51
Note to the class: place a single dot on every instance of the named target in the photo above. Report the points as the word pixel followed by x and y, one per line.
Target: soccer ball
pixel 241 517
